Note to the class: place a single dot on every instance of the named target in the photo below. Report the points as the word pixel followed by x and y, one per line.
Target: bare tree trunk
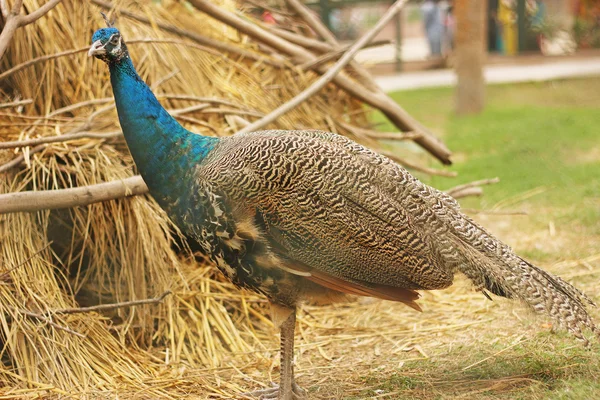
pixel 470 55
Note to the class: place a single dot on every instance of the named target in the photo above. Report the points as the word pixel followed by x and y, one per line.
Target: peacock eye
pixel 114 40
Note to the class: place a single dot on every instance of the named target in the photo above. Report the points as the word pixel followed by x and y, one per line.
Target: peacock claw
pixel 272 393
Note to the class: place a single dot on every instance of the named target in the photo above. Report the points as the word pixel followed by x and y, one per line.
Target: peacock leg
pixel 287 388
pixel 286 380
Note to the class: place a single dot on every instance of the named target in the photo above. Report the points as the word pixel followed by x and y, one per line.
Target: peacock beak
pixel 96 49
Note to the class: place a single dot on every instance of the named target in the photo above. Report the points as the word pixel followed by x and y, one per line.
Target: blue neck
pixel 162 149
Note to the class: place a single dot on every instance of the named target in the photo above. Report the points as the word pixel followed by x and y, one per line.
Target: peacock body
pixel 299 215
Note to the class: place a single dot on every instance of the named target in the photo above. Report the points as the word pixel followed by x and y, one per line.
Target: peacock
pixel 305 215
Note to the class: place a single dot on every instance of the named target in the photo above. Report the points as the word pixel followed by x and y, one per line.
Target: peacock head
pixel 108 45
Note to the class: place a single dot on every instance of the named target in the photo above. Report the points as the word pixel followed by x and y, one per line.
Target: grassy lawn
pixel 543 141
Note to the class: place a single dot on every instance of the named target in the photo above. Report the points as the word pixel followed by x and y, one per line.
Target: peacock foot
pixel 273 393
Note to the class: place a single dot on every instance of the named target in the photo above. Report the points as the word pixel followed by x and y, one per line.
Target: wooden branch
pixel 11 24
pixel 396 114
pixel 331 73
pixel 67 198
pixel 456 189
pixel 113 306
pixel 40 12
pixel 4 8
pixel 14 20
pixel 203 40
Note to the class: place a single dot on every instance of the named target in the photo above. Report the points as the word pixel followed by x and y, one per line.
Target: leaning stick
pixel 331 73
pixel 396 114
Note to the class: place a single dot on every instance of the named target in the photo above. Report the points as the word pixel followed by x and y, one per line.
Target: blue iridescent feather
pixel 163 149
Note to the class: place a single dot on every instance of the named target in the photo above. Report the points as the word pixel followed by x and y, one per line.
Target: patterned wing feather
pixel 327 207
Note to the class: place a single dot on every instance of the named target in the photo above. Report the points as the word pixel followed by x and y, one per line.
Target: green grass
pixel 542 137
pixel 545 367
pixel 543 141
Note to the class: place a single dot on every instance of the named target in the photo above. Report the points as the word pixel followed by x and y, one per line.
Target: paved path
pixel 547 70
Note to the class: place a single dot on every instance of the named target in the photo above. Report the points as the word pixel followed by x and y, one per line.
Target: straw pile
pixel 54 262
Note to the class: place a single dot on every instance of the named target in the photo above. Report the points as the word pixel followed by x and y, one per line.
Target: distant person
pixel 434 27
pixel 538 20
pixel 449 22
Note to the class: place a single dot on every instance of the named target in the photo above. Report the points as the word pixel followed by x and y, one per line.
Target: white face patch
pixel 117 49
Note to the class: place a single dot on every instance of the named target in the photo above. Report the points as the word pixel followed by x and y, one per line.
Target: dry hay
pixel 124 250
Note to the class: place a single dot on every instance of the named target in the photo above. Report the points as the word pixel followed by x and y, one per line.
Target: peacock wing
pixel 326 205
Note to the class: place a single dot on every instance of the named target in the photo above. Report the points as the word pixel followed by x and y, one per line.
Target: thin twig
pixel 468 192
pixel 113 306
pixel 66 198
pixel 20 158
pixel 232 112
pixel 482 182
pixel 306 42
pixel 5 276
pixel 493 212
pixel 336 53
pixel 57 139
pixel 194 108
pixel 376 135
pixel 85 103
pixel 417 167
pixel 17 103
pixel 329 75
pixel 48 321
pixel 197 98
